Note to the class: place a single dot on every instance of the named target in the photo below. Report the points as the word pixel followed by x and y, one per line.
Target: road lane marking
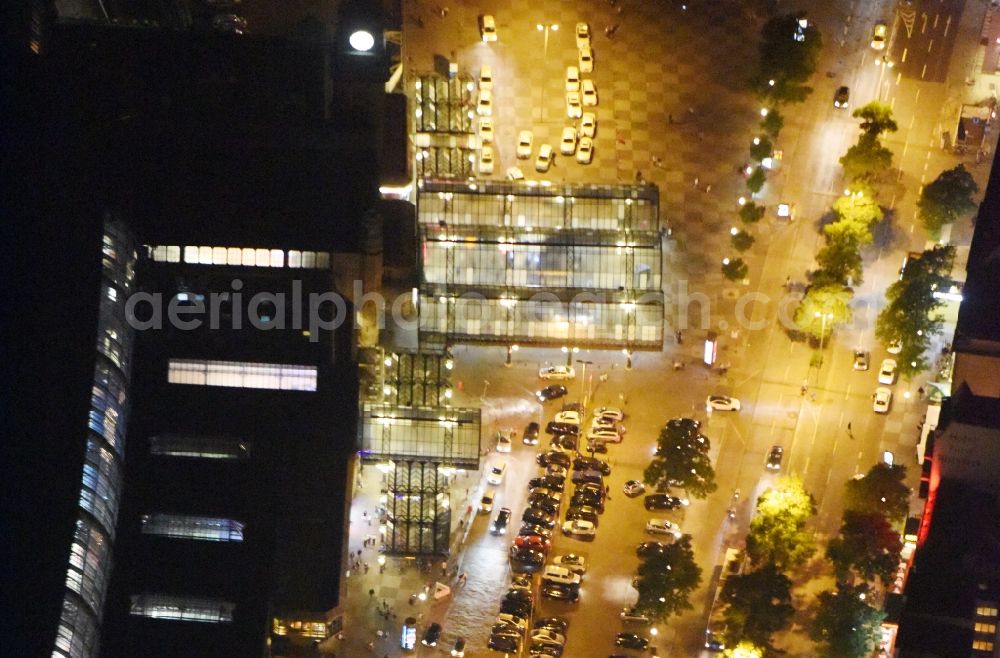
pixel 936 17
pixel 892 204
pixel 916 98
pixel 923 72
pixel 930 45
pixel 923 28
pixel 947 25
pixel 905 51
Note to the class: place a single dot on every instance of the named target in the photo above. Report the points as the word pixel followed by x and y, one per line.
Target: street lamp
pixel 583 376
pixel 554 27
pixel 822 333
pixel 510 350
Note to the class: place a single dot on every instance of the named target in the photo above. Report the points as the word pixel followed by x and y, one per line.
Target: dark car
pixel 631 641
pixel 516 608
pixel 545 649
pixel 587 498
pixel 774 458
pixel 842 97
pixel 526 559
pixel 592 464
pixel 536 516
pixel 458 649
pixel 551 392
pixel 529 528
pixel 499 525
pixel 547 482
pixel 546 504
pixel 596 446
pixel 588 477
pixel 432 635
pixel 505 629
pixel 562 428
pixel 585 512
pixel 523 595
pixel 559 592
pixel 664 501
pixel 530 436
pixel 648 548
pixel 504 643
pixel 563 442
pixel 558 624
pixel 543 493
pixel 553 457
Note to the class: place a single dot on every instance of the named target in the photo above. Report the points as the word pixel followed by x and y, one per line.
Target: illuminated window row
pixel 203 447
pixel 238 374
pixel 182 608
pixel 183 526
pixel 100 490
pixel 76 636
pixel 240 256
pixel 89 563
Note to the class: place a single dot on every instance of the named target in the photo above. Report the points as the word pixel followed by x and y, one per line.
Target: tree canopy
pixel 758 604
pixel 831 301
pixel 866 160
pixel 881 491
pixel 845 625
pixel 876 118
pixel 744 650
pixel 868 544
pixel 735 269
pixel 681 460
pixel 946 198
pixel 667 579
pixel 788 55
pixel 778 533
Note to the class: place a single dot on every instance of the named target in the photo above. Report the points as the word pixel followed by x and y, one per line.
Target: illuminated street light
pixel 725 261
pixel 763 111
pixel 733 231
pixel 554 27
pixel 742 201
pixel 770 83
pixel 361 40
pixel 756 141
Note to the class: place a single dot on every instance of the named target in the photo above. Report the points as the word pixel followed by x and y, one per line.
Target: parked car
pixel 542 164
pixel 553 457
pixel 664 501
pixel 486 130
pixel 524 142
pixel 774 457
pixel 633 615
pixel 530 435
pixel 529 528
pixel 570 416
pixel 515 173
pixel 572 561
pixel 556 372
pixel 555 427
pixel 887 373
pixel 588 128
pixel 663 527
pixel 548 635
pixel 588 92
pixel 553 485
pixel 484 107
pixel 587 499
pixel 634 488
pixel 585 150
pixel 526 559
pixel 861 359
pixel 487 28
pixel 882 400
pixel 895 347
pixel 605 435
pixel 722 403
pixel 536 516
pixel 551 392
pixel 592 463
pixel 574 110
pixel 586 59
pixel 582 35
pixel 534 542
pixel 572 78
pixel 563 442
pixel 631 641
pixel 584 512
pixel 580 529
pixel 502 520
pixel 503 643
pixel 561 592
pixel 597 446
pixel 505 439
pixel 497 471
pixel 432 635
pixel 486 77
pixel 559 574
pixel 458 649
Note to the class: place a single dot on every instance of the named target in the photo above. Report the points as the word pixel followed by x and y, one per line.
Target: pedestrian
pixel 366 567
pixel 708 188
pixel 371 645
pixel 371 593
pixel 848 426
pixel 696 181
pixel 670 119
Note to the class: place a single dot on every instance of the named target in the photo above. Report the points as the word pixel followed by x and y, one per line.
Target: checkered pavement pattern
pixel 672 99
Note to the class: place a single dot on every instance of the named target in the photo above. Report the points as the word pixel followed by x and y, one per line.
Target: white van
pixel 496 473
pixel 561 575
pixel 486 502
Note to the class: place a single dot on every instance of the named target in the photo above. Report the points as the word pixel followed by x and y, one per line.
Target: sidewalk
pixel 378 598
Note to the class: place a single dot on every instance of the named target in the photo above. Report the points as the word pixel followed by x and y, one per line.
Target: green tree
pixel 823 308
pixel 859 206
pixel 742 240
pixel 909 318
pixel 881 491
pixel 772 123
pixel 778 533
pixel 681 460
pixel 744 650
pixel 735 269
pixel 758 604
pixel 751 213
pixel 667 579
pixel 946 198
pixel 866 160
pixel 788 56
pixel 756 180
pixel 876 119
pixel 761 148
pixel 839 259
pixel 845 625
pixel 868 544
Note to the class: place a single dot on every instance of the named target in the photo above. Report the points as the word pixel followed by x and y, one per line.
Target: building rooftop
pixel 979 314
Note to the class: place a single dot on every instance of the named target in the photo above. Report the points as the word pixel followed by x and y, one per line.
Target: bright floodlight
pixel 362 40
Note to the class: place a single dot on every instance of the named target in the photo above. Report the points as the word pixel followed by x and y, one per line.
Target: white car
pixel 586 59
pixel 486 160
pixel 572 78
pixel 556 372
pixel 572 561
pixel 582 35
pixel 579 528
pixel 604 423
pixel 604 435
pixel 524 141
pixel 585 150
pixel 512 620
pixel 567 145
pixel 515 173
pixel 557 574
pixel 486 130
pixel 663 527
pixel 610 412
pixel 882 400
pixel 589 92
pixel 547 635
pixel 497 472
pixel 486 77
pixel 879 35
pixel 887 373
pixel 588 125
pixel 505 439
pixel 722 403
pixel 571 417
pixel 895 347
pixel 573 108
pixel 488 28
pixel 544 159
pixel 485 105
